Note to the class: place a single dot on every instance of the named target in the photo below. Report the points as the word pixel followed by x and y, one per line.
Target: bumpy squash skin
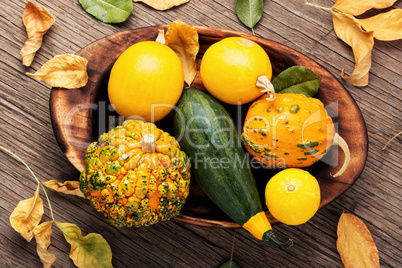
pixel 207 134
pixel 132 187
pixel 292 131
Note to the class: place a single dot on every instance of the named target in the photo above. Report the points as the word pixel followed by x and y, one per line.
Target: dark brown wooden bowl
pixel 80 115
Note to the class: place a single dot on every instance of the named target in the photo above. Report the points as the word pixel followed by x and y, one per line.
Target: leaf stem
pixel 231 255
pixel 314 5
pixel 391 140
pixel 30 170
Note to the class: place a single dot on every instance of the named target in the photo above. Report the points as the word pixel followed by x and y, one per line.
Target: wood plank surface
pixel 26 129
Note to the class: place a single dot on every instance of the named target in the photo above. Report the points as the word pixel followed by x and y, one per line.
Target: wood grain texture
pixel 75 114
pixel 26 129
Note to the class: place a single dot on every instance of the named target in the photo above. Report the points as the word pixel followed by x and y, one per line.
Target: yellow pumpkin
pixel 146 81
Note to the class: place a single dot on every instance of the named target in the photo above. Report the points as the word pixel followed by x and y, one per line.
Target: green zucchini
pixel 207 134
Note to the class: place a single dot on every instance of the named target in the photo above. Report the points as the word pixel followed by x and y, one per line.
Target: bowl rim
pixel 59 108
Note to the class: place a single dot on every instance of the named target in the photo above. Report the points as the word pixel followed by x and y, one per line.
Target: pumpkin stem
pixel 338 140
pixel 148 143
pixel 270 237
pixel 267 87
pixel 161 37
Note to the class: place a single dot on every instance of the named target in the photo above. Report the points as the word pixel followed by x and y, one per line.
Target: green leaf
pixel 298 80
pixel 249 11
pixel 229 264
pixel 89 251
pixel 109 11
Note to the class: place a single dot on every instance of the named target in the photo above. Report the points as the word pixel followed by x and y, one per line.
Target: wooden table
pixel 25 129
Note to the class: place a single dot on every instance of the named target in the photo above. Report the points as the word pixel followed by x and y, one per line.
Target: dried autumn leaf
pixel 42 234
pixel 356 8
pixel 68 187
pixel 45 256
pixel 386 26
pixel 37 20
pixel 183 39
pixel 347 28
pixel 66 71
pixel 355 244
pixel 44 231
pixel 27 215
pixel 162 4
pixel 28 236
pixel 89 251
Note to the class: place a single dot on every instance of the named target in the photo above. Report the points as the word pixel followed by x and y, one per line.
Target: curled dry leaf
pixel 44 231
pixel 162 4
pixel 89 251
pixel 355 244
pixel 348 29
pixel 356 8
pixel 45 256
pixel 27 215
pixel 37 20
pixel 66 71
pixel 42 234
pixel 386 26
pixel 68 187
pixel 183 39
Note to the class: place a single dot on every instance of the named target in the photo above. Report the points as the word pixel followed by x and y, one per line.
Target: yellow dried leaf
pixel 68 187
pixel 28 236
pixel 27 215
pixel 183 39
pixel 46 258
pixel 37 20
pixel 44 231
pixel 386 26
pixel 347 28
pixel 66 71
pixel 356 8
pixel 162 4
pixel 355 244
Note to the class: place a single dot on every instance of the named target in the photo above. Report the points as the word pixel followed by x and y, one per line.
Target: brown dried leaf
pixel 356 8
pixel 355 244
pixel 46 258
pixel 37 20
pixel 348 29
pixel 386 26
pixel 68 187
pixel 27 215
pixel 162 4
pixel 183 39
pixel 66 71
